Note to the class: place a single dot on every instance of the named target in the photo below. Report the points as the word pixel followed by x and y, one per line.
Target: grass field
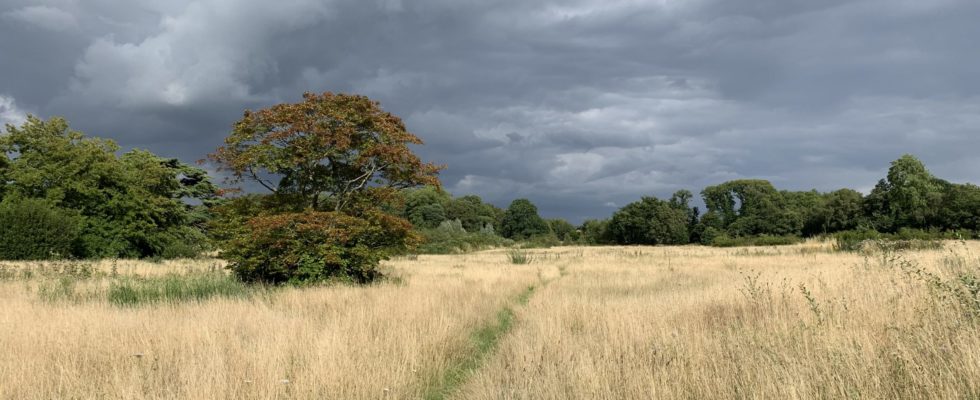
pixel 795 321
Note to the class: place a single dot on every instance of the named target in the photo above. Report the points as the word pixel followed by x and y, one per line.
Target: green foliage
pixel 521 221
pixel 843 210
pixel 650 221
pixel 473 213
pixel 520 256
pixel 595 232
pixel 904 239
pixel 315 246
pixel 174 288
pixel 425 207
pixel 751 207
pixel 136 205
pixel 336 165
pixel 451 237
pixel 723 240
pixel 34 229
pixel 563 230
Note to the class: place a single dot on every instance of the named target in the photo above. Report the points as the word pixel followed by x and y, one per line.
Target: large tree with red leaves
pixel 328 152
pixel 330 162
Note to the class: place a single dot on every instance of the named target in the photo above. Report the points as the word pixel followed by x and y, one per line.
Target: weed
pixel 520 256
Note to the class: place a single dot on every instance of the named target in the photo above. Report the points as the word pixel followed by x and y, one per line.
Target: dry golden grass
pixel 609 322
pixel 700 323
pixel 388 340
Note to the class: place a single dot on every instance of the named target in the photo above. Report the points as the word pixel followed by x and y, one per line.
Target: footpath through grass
pixel 485 340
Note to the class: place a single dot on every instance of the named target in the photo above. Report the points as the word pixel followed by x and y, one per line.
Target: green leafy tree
pixel 521 221
pixel 137 205
pixel 34 229
pixel 808 210
pixel 333 164
pixel 843 210
pixel 425 207
pixel 473 213
pixel 681 200
pixel 563 230
pixel 595 232
pixel 960 207
pixel 913 193
pixel 750 207
pixel 650 221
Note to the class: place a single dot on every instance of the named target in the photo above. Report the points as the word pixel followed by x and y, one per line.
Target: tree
pixel 563 230
pixel 913 193
pixel 137 205
pixel 521 221
pixel 681 200
pixel 843 210
pixel 595 232
pixel 332 163
pixel 425 207
pixel 33 229
pixel 472 212
pixel 650 221
pixel 331 152
pixel 807 210
pixel 750 207
pixel 960 207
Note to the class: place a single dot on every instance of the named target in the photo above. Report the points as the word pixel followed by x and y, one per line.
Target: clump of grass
pixel 174 289
pixel 762 240
pixel 520 256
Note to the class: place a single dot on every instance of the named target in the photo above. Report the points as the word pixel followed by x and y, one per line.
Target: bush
pixel 904 239
pixel 32 229
pixel 450 237
pixel 314 246
pixel 520 256
pixel 723 240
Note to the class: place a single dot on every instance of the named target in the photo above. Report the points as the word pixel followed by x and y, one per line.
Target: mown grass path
pixel 485 340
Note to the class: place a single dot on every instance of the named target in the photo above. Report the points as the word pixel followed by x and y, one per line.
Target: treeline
pixel 739 212
pixel 66 195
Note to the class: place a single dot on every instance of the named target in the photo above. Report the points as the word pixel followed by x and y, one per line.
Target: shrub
pixel 723 240
pixel 904 239
pixel 519 256
pixel 450 237
pixel 315 246
pixel 32 229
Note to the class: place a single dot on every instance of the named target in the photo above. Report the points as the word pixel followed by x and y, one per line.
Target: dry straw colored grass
pixel 788 322
pixel 610 322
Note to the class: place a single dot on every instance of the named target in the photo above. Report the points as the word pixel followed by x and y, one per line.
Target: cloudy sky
pixel 581 106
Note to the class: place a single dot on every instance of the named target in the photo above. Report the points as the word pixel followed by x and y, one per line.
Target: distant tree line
pixel 345 191
pixel 909 197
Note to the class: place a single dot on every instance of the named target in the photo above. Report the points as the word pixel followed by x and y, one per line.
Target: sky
pixel 581 106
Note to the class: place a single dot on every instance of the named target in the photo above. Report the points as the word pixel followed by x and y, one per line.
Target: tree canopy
pixel 136 205
pixel 328 152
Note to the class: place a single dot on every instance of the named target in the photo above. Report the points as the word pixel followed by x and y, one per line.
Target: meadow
pixel 800 321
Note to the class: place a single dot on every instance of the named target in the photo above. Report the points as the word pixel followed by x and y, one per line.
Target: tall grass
pixel 520 256
pixel 175 288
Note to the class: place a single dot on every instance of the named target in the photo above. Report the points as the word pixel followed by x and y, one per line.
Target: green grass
pixel 174 289
pixel 520 256
pixel 135 290
pixel 485 339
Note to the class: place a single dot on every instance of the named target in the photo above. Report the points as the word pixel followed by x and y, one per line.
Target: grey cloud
pixel 574 104
pixel 46 17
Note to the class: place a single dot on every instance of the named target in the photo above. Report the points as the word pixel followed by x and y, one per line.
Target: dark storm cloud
pixel 579 105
